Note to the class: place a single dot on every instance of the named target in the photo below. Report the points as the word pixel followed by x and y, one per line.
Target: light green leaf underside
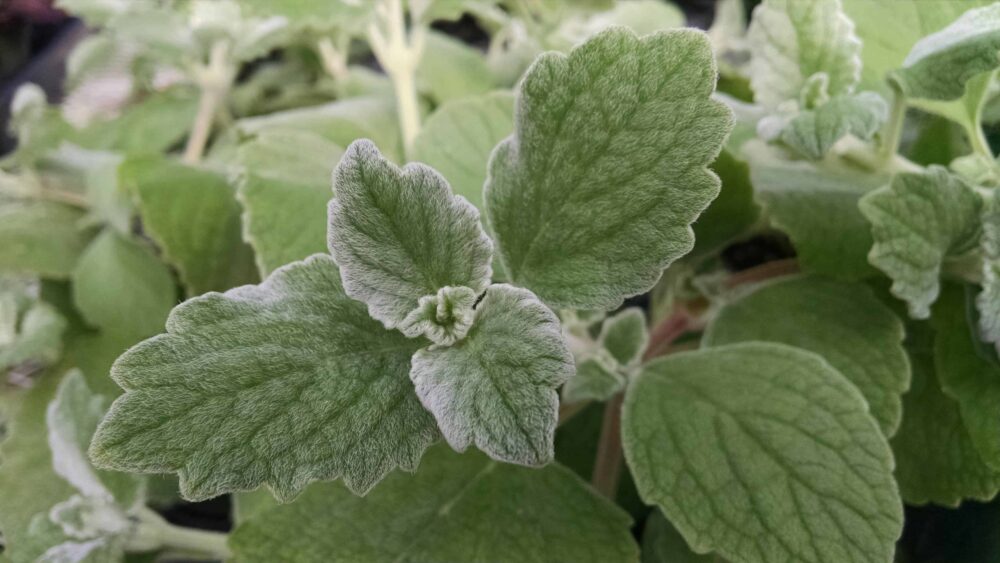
pixel 888 30
pixel 917 221
pixel 940 64
pixel 496 389
pixel 49 252
pixel 641 16
pixel 813 132
pixel 341 122
pixel 120 287
pixel 835 242
pixel 596 379
pixel 309 15
pixel 457 139
pixel 794 40
pixel 280 384
pixel 284 189
pixel 37 333
pixel 936 460
pixel 595 192
pixel 625 336
pixel 762 452
pixel 193 216
pixel 968 370
pixel 71 418
pixel 456 508
pixel 28 483
pixel 988 301
pixel 842 322
pixel 400 234
pixel 450 69
pixel 661 543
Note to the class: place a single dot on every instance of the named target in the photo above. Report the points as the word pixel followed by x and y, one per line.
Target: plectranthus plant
pixel 449 281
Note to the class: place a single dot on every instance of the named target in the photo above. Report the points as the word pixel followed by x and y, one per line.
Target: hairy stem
pixel 399 53
pixel 893 131
pixel 153 532
pixel 215 80
pixel 978 141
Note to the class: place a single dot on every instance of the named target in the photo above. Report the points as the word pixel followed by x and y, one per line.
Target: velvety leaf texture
pixel 842 322
pixel 936 460
pixel 38 335
pixel 280 384
pixel 193 216
pixel 988 301
pixel 919 220
pixel 399 234
pixel 792 41
pixel 968 370
pixel 595 192
pixel 464 508
pixel 940 64
pixel 496 389
pixel 813 132
pixel 762 452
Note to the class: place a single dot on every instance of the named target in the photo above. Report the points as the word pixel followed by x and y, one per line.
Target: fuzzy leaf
pixel 595 192
pixel 936 460
pixel 35 334
pixel 624 336
pixel 940 64
pixel 281 384
pixel 71 418
pixel 969 371
pixel 842 322
pixel 794 41
pixel 762 452
pixel 731 214
pixel 193 216
pixel 596 379
pixel 284 189
pixel 813 132
pixel 988 301
pixel 457 139
pixel 833 243
pixel 919 220
pixel 121 288
pixel 49 252
pixel 496 389
pixel 399 235
pixel 456 508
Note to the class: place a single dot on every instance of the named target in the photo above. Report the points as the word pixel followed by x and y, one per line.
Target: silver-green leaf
pixel 457 508
pixel 795 43
pixel 281 384
pixel 595 192
pixel 919 220
pixel 762 452
pixel 400 234
pixel 496 389
pixel 842 322
pixel 813 132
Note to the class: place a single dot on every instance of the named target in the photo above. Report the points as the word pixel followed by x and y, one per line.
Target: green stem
pixel 978 140
pixel 215 80
pixel 399 52
pixel 893 131
pixel 153 533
